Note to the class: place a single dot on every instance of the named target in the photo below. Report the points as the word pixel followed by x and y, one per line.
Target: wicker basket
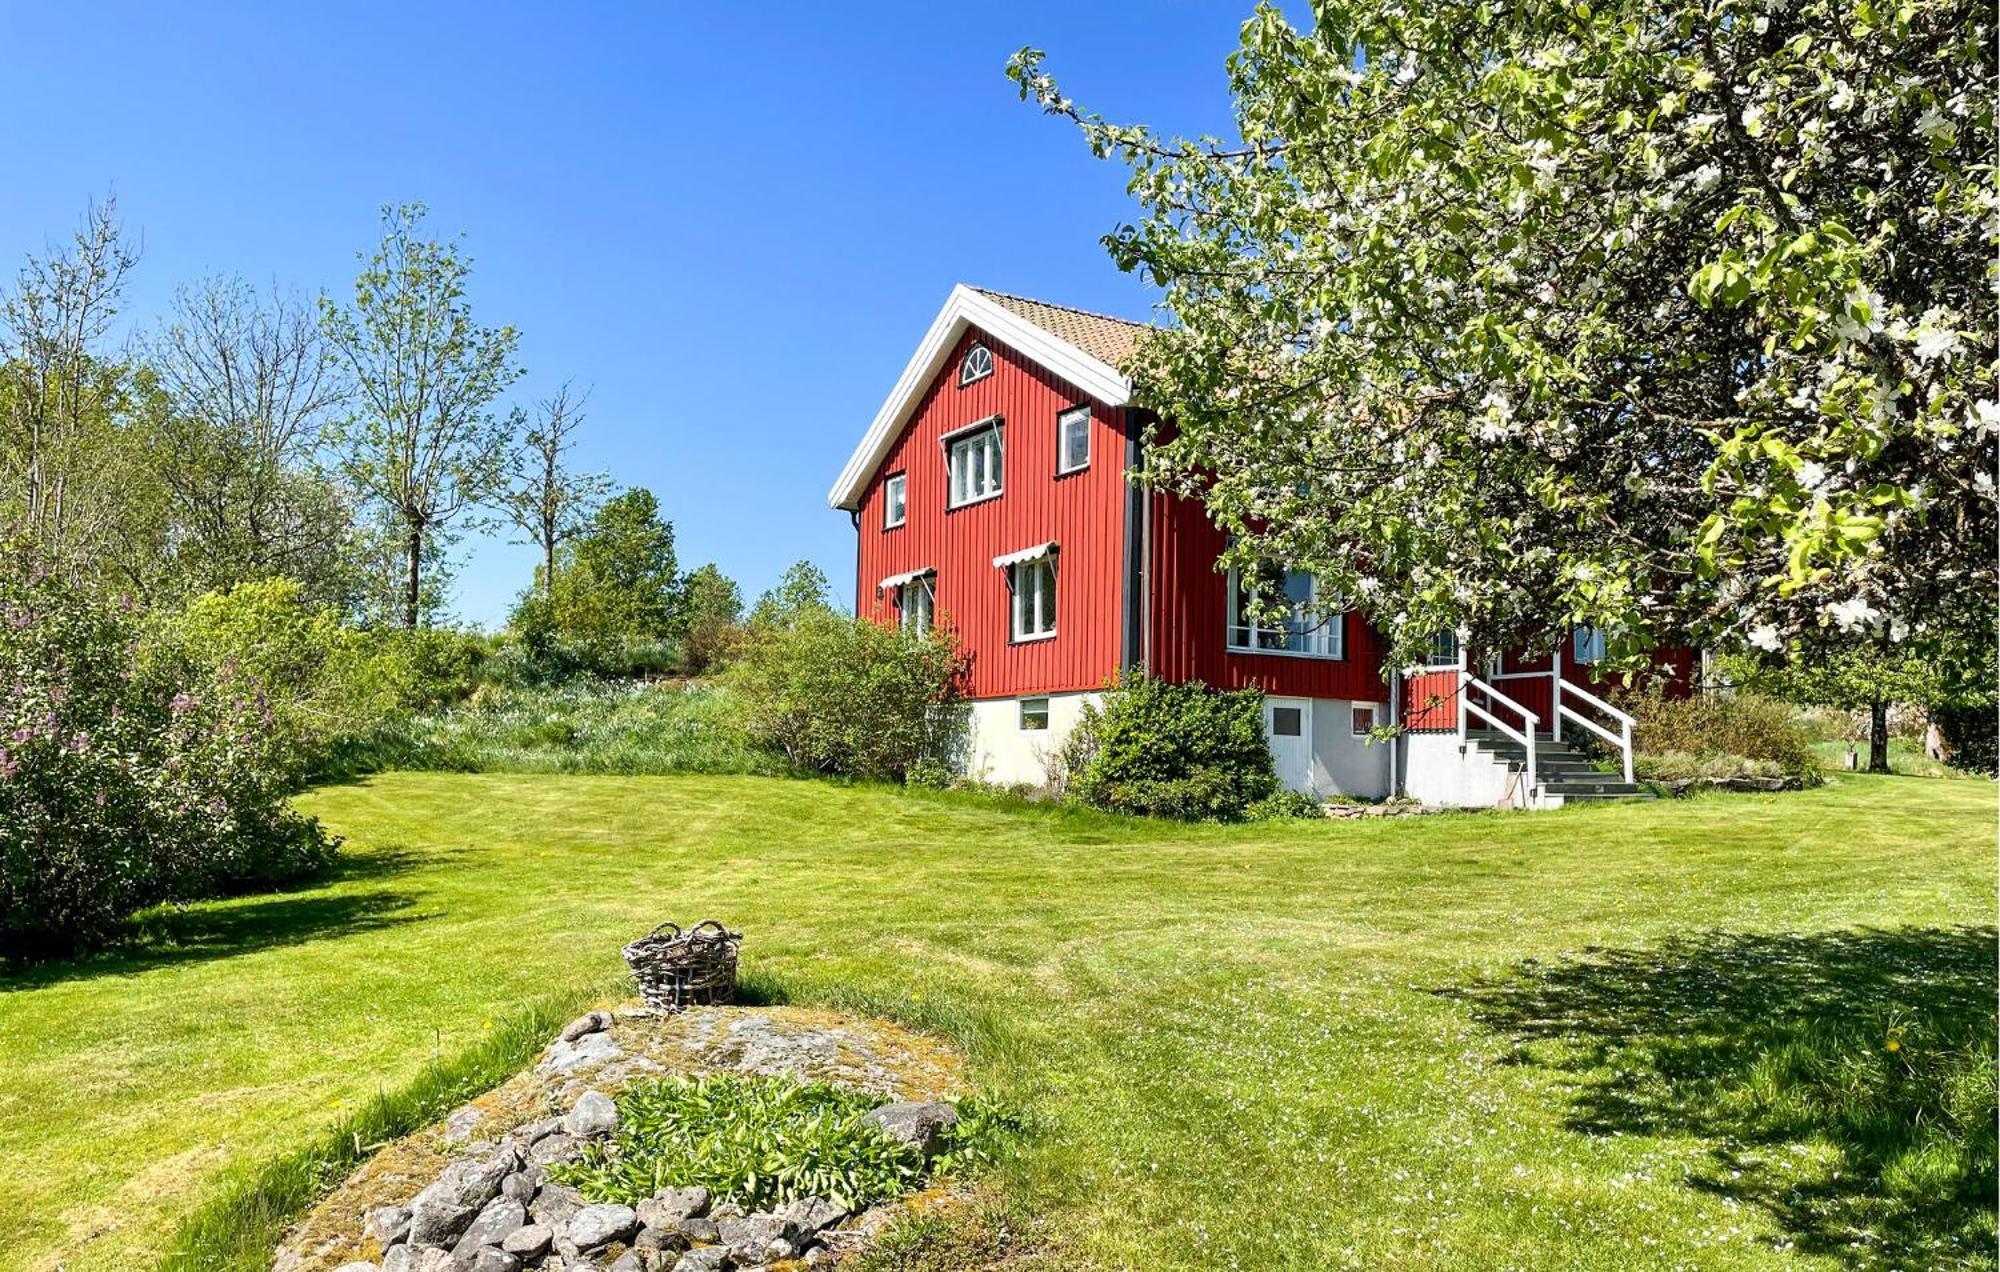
pixel 677 969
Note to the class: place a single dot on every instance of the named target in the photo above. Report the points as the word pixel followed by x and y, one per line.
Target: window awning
pixel 1035 553
pixel 900 580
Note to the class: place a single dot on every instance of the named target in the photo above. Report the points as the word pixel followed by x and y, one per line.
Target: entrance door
pixel 1288 725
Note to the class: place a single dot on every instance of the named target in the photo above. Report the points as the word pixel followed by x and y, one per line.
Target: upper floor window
pixel 1588 645
pixel 973 457
pixel 977 365
pixel 895 501
pixel 1073 440
pixel 917 605
pixel 1283 613
pixel 1031 577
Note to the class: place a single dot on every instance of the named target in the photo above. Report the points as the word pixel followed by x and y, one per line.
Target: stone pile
pixel 493 1209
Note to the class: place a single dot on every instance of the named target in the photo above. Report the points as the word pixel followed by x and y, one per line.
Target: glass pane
pixel 1286 722
pixel 1076 439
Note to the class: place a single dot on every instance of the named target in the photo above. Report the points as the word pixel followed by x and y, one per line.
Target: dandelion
pixel 1894 1044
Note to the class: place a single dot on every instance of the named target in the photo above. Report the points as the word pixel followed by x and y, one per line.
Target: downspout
pixel 854 519
pixel 1396 738
pixel 1134 655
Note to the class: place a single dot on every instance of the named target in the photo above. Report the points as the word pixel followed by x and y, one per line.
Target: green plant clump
pixel 1167 750
pixel 1722 735
pixel 759 1141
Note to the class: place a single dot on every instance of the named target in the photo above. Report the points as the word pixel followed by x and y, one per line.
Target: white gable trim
pixel 962 309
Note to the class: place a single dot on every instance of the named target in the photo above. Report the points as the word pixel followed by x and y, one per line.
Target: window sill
pixel 895 525
pixel 1284 653
pixel 972 503
pixel 1061 473
pixel 1029 640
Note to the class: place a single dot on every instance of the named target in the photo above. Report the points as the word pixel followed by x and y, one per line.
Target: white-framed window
pixel 1305 624
pixel 976 365
pixel 1444 649
pixel 917 604
pixel 1073 440
pixel 975 464
pixel 1034 714
pixel 1587 643
pixel 1034 586
pixel 1364 719
pixel 895 501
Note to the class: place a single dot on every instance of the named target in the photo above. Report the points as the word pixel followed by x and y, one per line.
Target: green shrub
pixel 845 695
pixel 1762 735
pixel 1171 750
pixel 123 784
pixel 762 1141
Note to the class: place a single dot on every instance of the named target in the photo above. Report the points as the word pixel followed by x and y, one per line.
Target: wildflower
pixel 1894 1044
pixel 181 704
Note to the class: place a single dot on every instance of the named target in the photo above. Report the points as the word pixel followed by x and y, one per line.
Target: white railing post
pixel 1464 681
pixel 1556 692
pixel 1625 731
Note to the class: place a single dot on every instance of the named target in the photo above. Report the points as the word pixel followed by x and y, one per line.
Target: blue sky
pixel 733 223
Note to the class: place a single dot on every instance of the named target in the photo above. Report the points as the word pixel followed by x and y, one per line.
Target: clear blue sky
pixel 733 223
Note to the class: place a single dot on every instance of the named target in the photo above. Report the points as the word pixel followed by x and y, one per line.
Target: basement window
pixel 1034 714
pixel 1364 720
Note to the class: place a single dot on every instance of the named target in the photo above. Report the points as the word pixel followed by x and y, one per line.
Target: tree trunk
pixel 413 582
pixel 549 567
pixel 1878 737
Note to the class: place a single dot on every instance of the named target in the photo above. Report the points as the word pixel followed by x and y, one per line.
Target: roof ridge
pixel 1050 304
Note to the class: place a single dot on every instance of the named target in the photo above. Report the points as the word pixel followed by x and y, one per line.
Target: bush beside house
pixel 1172 750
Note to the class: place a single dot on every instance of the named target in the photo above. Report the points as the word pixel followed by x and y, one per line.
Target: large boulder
pixel 529 1242
pixel 666 1208
pixel 923 1126
pixel 491 1226
pixel 812 1214
pixel 389 1225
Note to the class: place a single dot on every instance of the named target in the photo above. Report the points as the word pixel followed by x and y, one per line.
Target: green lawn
pixel 1367 1043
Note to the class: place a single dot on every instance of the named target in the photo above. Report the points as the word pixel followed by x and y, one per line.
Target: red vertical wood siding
pixel 1430 704
pixel 1188 622
pixel 1082 512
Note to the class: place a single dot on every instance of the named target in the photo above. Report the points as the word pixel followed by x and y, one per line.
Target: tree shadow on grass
pixel 1845 1081
pixel 172 934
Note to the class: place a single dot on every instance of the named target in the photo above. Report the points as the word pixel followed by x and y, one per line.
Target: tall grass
pixel 585 726
pixel 239 1227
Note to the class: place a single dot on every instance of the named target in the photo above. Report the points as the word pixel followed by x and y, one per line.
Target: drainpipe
pixel 1395 739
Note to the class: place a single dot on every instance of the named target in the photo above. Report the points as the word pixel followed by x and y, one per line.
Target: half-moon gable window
pixel 978 365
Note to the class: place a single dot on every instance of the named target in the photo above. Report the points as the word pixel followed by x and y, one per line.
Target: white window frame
pixel 993 462
pixel 1022 720
pixel 1323 635
pixel 1032 610
pixel 895 500
pixel 1063 418
pixel 1443 655
pixel 975 366
pixel 917 619
pixel 1354 713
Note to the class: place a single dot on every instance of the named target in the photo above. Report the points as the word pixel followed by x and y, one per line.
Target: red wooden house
pixel 990 493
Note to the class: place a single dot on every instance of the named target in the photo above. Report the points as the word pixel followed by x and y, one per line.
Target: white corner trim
pixel 899 580
pixel 1035 553
pixel 962 309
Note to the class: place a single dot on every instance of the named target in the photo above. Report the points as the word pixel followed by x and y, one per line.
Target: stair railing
pixel 1621 739
pixel 1467 683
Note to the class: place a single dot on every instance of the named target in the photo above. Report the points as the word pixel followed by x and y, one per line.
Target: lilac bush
pixel 123 786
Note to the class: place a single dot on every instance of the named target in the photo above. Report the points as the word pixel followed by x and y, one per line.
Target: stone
pixel 812 1214
pixel 402 1258
pixel 589 1023
pixel 751 1237
pixel 490 1259
pixel 627 1262
pixel 586 1052
pixel 521 1185
pixel 554 1204
pixel 699 1229
pixel 405 1258
pixel 529 1242
pixel 357 1266
pixel 705 1259
pixel 459 1126
pixel 667 1207
pixel 389 1225
pixel 444 1210
pixel 529 1132
pixel 491 1226
pixel 819 1257
pixel 439 1221
pixel 601 1224
pixel 658 1240
pixel 920 1125
pixel 556 1148
pixel 726 1210
pixel 593 1116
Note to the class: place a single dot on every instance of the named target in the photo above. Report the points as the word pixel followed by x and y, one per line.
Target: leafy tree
pixel 801 591
pixel 423 439
pixel 1672 317
pixel 246 393
pixel 709 621
pixel 624 569
pixel 548 501
pixel 62 454
pixel 1871 674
